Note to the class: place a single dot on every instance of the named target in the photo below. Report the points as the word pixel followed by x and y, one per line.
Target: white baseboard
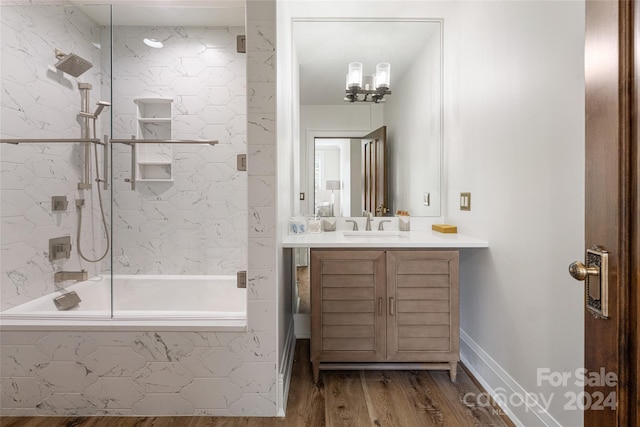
pixel 284 374
pixel 501 386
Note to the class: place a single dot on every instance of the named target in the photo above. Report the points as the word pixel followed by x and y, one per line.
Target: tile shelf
pixel 154 161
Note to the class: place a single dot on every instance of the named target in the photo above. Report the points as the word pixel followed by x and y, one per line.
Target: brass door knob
pixel 580 272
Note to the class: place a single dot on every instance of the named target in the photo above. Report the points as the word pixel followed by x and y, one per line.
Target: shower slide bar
pixel 133 141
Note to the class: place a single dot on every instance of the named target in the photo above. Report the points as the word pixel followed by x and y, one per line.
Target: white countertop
pixel 405 239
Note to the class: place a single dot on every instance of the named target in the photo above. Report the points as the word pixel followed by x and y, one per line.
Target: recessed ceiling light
pixel 153 43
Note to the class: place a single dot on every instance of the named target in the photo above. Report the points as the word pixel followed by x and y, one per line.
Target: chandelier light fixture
pixel 361 88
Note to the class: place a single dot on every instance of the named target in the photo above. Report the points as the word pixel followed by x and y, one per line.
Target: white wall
pixel 516 142
pixel 514 119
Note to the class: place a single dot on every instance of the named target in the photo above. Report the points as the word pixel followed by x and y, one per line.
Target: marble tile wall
pixel 137 373
pixel 40 102
pixel 196 224
pixel 173 373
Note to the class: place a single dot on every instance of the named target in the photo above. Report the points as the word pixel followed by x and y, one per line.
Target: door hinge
pixel 241 44
pixel 242 279
pixel 241 162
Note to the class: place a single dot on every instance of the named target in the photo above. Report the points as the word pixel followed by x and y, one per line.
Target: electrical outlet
pixel 465 201
pixel 301 196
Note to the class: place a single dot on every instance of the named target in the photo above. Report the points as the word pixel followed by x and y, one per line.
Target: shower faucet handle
pixel 60 248
pixel 64 249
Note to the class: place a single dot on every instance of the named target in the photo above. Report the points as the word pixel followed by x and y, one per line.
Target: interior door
pixel 611 214
pixel 375 172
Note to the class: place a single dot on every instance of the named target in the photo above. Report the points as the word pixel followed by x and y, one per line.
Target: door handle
pixel 580 272
pixel 391 309
pixel 595 274
pixel 380 306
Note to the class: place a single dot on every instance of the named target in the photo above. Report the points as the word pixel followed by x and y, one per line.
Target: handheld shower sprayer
pixel 101 105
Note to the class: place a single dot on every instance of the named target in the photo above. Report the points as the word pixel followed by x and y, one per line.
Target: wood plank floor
pixel 342 398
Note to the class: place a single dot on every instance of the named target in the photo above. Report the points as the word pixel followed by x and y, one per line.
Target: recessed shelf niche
pixel 154 162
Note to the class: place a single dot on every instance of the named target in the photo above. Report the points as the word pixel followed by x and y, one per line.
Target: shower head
pixel 101 105
pixel 71 63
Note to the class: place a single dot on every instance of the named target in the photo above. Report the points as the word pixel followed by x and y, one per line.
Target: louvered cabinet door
pixel 347 312
pixel 422 303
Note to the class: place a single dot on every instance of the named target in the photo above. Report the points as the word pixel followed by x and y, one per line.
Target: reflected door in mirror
pixel 375 172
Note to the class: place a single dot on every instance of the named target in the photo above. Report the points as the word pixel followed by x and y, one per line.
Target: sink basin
pixel 371 233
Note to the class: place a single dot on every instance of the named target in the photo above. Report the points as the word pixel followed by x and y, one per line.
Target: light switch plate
pixel 465 201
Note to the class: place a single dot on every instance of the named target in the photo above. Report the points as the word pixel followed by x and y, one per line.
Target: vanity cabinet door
pixel 347 306
pixel 423 309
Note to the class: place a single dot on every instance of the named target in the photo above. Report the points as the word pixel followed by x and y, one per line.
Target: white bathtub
pixel 159 298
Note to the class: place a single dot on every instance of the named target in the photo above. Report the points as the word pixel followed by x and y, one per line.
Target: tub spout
pixel 61 276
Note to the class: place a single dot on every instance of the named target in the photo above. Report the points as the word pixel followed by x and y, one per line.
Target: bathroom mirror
pixel 412 113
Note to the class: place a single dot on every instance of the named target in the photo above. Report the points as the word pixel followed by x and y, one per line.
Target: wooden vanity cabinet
pixel 384 309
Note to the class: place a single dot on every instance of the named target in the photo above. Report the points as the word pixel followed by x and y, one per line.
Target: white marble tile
pixel 22 392
pixel 66 346
pixel 255 377
pixel 21 360
pixel 261 284
pixel 261 36
pixel 261 129
pixel 255 346
pixel 67 404
pixel 162 346
pixel 255 404
pixel 262 222
pixel 262 159
pixel 113 393
pixel 261 190
pixel 163 377
pixel 261 66
pixel 29 338
pixel 211 393
pixel 215 362
pixel 261 315
pixel 16 229
pixel 66 377
pixel 115 362
pixel 163 404
pixel 261 98
pixel 262 252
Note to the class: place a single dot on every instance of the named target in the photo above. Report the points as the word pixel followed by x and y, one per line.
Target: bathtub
pixel 157 300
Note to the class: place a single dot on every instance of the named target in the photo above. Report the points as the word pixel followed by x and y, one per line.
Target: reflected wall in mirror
pixel 412 113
